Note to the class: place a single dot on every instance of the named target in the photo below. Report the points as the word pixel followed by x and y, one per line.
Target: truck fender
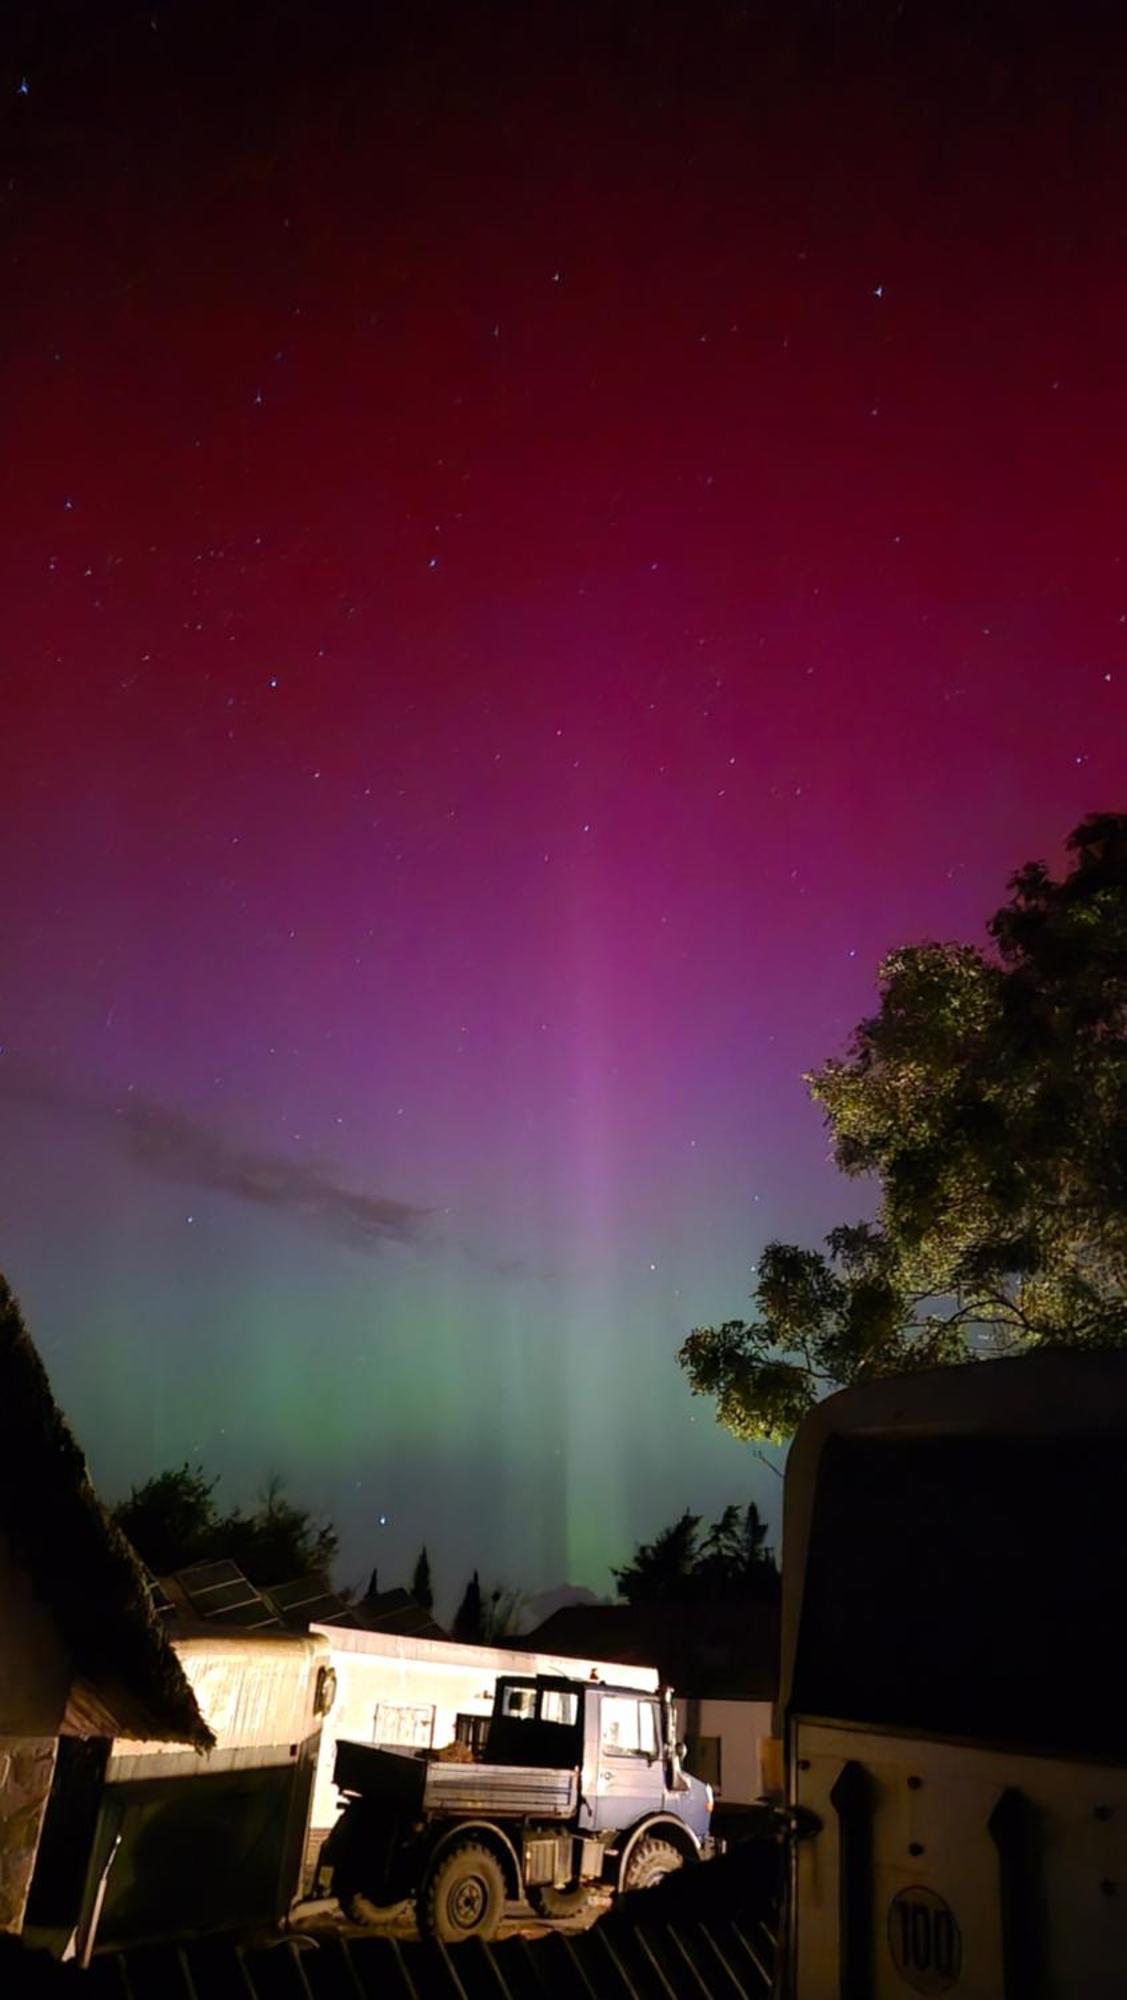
pixel 657 1826
pixel 489 1834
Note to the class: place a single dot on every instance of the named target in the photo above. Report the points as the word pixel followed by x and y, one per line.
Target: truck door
pixel 630 1775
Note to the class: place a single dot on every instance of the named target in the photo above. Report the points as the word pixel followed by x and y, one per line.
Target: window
pixel 519 1703
pixel 628 1727
pixel 556 1705
pixel 473 1731
pixel 403 1728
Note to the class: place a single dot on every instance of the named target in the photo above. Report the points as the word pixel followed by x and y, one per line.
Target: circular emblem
pixel 924 1939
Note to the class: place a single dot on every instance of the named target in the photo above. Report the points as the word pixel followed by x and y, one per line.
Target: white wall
pixel 255 1690
pixel 374 1668
pixel 741 1727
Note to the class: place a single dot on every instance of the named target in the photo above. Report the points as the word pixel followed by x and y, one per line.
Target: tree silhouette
pixel 421 1588
pixel 469 1620
pixel 988 1097
pixel 664 1567
pixel 172 1521
pixel 678 1567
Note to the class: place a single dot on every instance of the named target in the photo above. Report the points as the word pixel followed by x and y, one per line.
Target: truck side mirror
pixel 680 1751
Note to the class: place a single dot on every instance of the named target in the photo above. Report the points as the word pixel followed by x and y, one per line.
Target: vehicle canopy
pixel 953 1554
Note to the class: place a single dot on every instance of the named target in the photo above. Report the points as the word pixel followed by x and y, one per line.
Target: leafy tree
pixel 678 1567
pixel 662 1569
pixel 988 1096
pixel 172 1520
pixel 278 1541
pixel 421 1588
pixel 734 1559
pixel 469 1619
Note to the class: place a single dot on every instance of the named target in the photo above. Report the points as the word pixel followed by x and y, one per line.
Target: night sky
pixel 538 542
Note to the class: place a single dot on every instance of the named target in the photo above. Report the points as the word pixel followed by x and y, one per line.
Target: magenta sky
pixel 534 551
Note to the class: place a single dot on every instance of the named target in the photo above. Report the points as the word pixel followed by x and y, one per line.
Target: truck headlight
pixel 709 1798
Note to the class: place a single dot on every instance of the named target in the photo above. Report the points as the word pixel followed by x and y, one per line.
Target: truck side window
pixel 519 1703
pixel 558 1706
pixel 628 1727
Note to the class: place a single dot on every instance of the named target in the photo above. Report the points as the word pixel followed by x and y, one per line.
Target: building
pixel 240 1811
pixel 82 1651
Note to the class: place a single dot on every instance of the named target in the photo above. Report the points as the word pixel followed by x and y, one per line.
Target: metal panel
pixel 691 1961
pixel 219 1593
pixel 307 1599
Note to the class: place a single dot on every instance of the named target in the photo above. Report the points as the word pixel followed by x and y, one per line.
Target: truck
pixel 578 1784
pixel 952 1685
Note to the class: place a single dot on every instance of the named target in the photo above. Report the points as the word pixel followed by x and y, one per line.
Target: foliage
pixel 679 1567
pixel 172 1520
pixel 988 1096
pixel 422 1589
pixel 278 1540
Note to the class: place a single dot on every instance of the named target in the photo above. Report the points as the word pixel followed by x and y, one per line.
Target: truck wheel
pixel 463 1895
pixel 361 1910
pixel 551 1902
pixel 650 1861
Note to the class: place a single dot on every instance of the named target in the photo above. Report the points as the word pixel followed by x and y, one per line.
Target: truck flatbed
pixel 418 1785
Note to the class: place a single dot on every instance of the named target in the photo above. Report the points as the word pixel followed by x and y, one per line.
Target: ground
pixel 313 1918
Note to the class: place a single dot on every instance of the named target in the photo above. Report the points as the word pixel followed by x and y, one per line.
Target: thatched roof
pixel 126 1678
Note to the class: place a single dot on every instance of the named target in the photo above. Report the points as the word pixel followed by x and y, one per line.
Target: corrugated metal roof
pixel 723 1959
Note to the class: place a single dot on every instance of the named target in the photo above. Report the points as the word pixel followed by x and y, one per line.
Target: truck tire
pixel 649 1863
pixel 551 1902
pixel 463 1894
pixel 361 1909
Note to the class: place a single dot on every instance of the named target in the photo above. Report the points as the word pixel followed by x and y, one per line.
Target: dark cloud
pixel 178 1148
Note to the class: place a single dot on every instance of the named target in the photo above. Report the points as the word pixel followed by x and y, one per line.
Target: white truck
pixel 579 1783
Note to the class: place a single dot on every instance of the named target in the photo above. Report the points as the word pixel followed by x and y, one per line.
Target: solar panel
pixel 219 1593
pixel 307 1600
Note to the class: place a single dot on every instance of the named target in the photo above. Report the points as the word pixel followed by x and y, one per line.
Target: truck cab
pixel 622 1742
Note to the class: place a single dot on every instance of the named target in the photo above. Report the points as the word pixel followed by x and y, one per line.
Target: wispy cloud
pixel 177 1148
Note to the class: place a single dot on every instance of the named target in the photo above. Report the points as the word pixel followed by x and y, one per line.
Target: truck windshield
pixel 969 1586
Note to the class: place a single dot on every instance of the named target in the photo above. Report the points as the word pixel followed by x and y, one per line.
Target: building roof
pixel 395 1611
pixel 126 1679
pixel 718 1652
